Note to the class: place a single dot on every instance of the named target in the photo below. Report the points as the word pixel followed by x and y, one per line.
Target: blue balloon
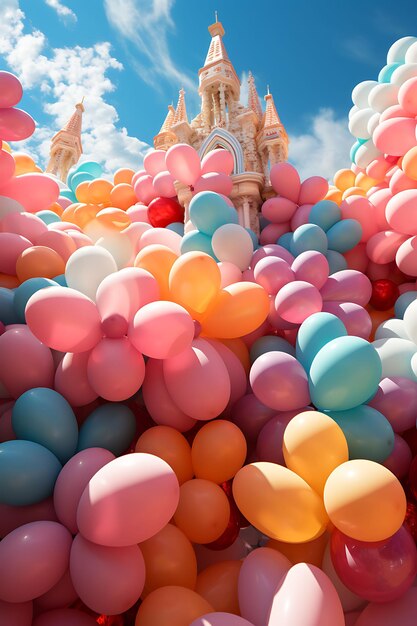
pixel 336 261
pixel 368 433
pixel 177 227
pixel 325 214
pixel 80 177
pixel 91 167
pixel 195 240
pixel 263 222
pixel 286 241
pixel 8 313
pixel 387 71
pixel 28 472
pixel 270 343
pixel 344 374
pixel 402 303
pixel 61 280
pixel 309 237
pixel 44 416
pixel 314 333
pixel 354 150
pixel 254 238
pixel 111 426
pixel 48 217
pixel 209 211
pixel 344 235
pixel 26 290
pixel 68 194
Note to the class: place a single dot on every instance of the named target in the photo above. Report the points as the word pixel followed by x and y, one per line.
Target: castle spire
pixel 181 110
pixel 271 114
pixel 166 138
pixel 169 120
pixel 66 146
pixel 253 98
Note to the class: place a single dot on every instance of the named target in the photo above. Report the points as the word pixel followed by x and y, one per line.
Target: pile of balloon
pixel 200 426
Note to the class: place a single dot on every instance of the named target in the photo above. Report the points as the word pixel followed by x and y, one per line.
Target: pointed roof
pixel 253 98
pixel 181 111
pixel 74 123
pixel 217 50
pixel 169 120
pixel 271 116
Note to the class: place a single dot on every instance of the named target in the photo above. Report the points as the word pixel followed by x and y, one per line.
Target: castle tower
pixel 166 138
pixel 66 146
pixel 272 139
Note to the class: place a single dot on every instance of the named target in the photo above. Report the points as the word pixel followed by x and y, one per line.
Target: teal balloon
pixel 344 235
pixel 80 177
pixel 209 211
pixel 368 433
pixel 344 374
pixel 44 416
pixel 309 237
pixel 68 194
pixel 254 238
pixel 48 217
pixel 91 167
pixel 26 291
pixel 325 214
pixel 270 343
pixel 111 426
pixel 316 332
pixel 387 71
pixel 354 150
pixel 61 280
pixel 177 227
pixel 336 261
pixel 286 241
pixel 8 314
pixel 28 472
pixel 263 222
pixel 402 303
pixel 195 240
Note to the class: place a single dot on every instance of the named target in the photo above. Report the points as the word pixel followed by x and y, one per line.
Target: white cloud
pixel 64 13
pixel 325 149
pixel 244 88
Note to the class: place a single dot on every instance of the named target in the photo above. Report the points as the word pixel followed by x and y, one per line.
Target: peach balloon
pixel 99 190
pixel 113 218
pixel 218 451
pixel 123 196
pixel 123 175
pixel 81 193
pixel 194 281
pixel 58 241
pixel 39 261
pixel 309 552
pixel 158 260
pixel 343 179
pixel 173 605
pixel 218 584
pixel 171 446
pixel 409 164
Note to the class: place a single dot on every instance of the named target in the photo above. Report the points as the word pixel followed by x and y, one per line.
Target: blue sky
pixel 129 57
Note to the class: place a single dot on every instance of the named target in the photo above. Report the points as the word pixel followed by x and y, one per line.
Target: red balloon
pixel 384 294
pixel 412 477
pixel 164 211
pixel 410 521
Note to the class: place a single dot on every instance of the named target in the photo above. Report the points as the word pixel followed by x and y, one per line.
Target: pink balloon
pixel 285 180
pixel 15 124
pixel 272 273
pixel 395 136
pixel 301 216
pixel 399 460
pixel 138 213
pixel 71 379
pixel 80 239
pixel 402 611
pixel 144 189
pixel 394 111
pixel 376 271
pixel 312 267
pixel 73 479
pixel 60 596
pixel 220 183
pixel 396 398
pixel 59 241
pixel 7 167
pixel 16 614
pixel 319 606
pixel 406 257
pixel 201 369
pixel 230 273
pixel 400 181
pixel 349 600
pixel 11 247
pixel 135 231
pixel 115 369
pixel 64 202
pixel 11 517
pixel 347 286
pixel 357 258
pixel 360 209
pixel 64 617
pixel 259 576
pixel 407 96
pixel 400 212
pixel 313 190
pixel 33 558
pixel 25 362
pixel 128 500
pixel 164 184
pixel 236 371
pixel 154 162
pixel 162 236
pixel 138 175
pixel 24 224
pixel 159 403
pixel 382 247
pixel 278 209
pixel 218 160
pixel 11 90
pixel 183 163
pixel 356 319
pixel 378 167
pixel 251 415
pixel 65 226
pixel 34 191
pixel 279 381
pixel 272 232
pixel 269 442
pixel 297 301
pixel 271 250
pixel 220 619
pixel 64 319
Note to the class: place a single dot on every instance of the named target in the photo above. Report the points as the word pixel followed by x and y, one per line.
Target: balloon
pixel 208 211
pixel 350 601
pixel 168 444
pixel 11 90
pixel 402 611
pixel 409 321
pixel 164 211
pixel 64 617
pixel 141 488
pixel 355 318
pixel 39 261
pixel 26 290
pixel 285 180
pixel 273 273
pixel 230 273
pixel 111 426
pixel 183 163
pixel 269 442
pixel 164 186
pixel 278 209
pixel 311 267
pixel 15 124
pixel 158 261
pixel 108 580
pixel 406 257
pixel 16 613
pixel 218 160
pixel 347 285
pixel 71 379
pixel 308 237
pixel 34 557
pixel 233 243
pixel 194 281
pixel 45 417
pixel 7 165
pixel 203 511
pixel 274 251
pixel 396 399
pixel 325 214
pixel 344 235
pixel 173 605
pixel 279 503
pixel 364 500
pixel 218 451
pixel 61 595
pixel 87 267
pixel 298 300
pixel 409 164
pixel 307 552
pixel 395 136
pixel 315 332
pixel 235 369
pixel 399 212
pixel 270 343
pixel 169 560
pixel 213 181
pixel 195 241
pixel 33 191
pixel 279 381
pixel 219 618
pixel 218 584
pixel 12 246
pixel 360 209
pixel 251 415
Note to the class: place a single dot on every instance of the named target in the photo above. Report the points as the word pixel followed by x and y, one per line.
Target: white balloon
pixel 411 54
pixel 353 110
pixel 233 243
pixel 87 267
pixel 393 328
pixel 230 273
pixel 95 230
pixel 410 321
pixel 361 92
pixel 120 247
pixel 396 355
pixel 403 73
pixel 8 205
pixel 383 96
pixel 366 153
pixel 398 50
pixel 358 123
pixel 373 123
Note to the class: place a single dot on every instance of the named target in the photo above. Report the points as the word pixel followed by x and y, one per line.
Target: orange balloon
pixel 377 317
pixel 69 212
pixel 55 207
pixel 194 282
pixel 169 560
pixel 84 213
pixel 113 218
pixel 218 584
pixel 218 451
pixel 158 260
pixel 345 178
pixel 81 192
pixel 203 511
pixel 335 195
pixel 122 196
pixel 123 175
pixel 39 261
pixel 171 446
pixel 172 606
pixel 409 164
pixel 353 191
pixel 309 552
pixel 365 182
pixel 5 146
pixel 8 281
pixel 99 190
pixel 240 349
pixel 24 163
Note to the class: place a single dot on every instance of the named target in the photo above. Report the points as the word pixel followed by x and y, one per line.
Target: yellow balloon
pixel 345 178
pixel 240 309
pixel 365 182
pixel 409 164
pixel 354 191
pixel 364 500
pixel 158 260
pixel 313 446
pixel 335 195
pixel 194 281
pixel 279 503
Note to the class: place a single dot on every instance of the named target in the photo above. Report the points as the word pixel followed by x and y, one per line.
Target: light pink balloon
pixel 154 162
pixel 25 362
pixel 313 190
pixel 201 369
pixel 278 209
pixel 220 619
pixel 138 175
pixel 80 239
pixel 115 369
pixel 396 110
pixel 25 224
pixel 407 96
pixel 11 90
pixel 347 286
pixel 144 189
pixel 183 163
pixel 399 460
pixel 128 500
pixel 236 371
pixel 395 136
pixel 64 202
pixel 33 558
pixel 59 241
pixel 15 124
pixel 319 605
pixel 272 232
pixel 382 247
pixel 220 183
pixel 164 184
pixel 271 250
pixel 16 614
pixel 400 212
pixel 297 301
pixel 138 213
pixel 272 273
pixel 402 611
pixel 378 167
pixel 379 200
pixel 7 167
pixel 159 403
pixel 135 231
pixel 301 216
pixel 11 517
pixel 34 191
pixel 60 596
pixel 259 576
pixel 218 160
pixel 230 273
pixel 312 267
pixel 356 319
pixel 162 236
pixel 269 442
pixel 285 180
pixel 399 181
pixel 11 247
pixel 406 257
pixel 73 479
pixel 64 617
pixel 360 209
pixel 71 379
pixel 64 319
pixel 279 381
